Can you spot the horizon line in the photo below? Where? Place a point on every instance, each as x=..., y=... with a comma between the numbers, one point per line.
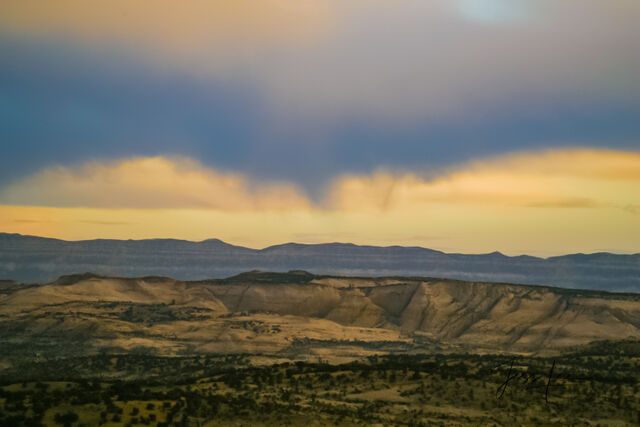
x=496, y=252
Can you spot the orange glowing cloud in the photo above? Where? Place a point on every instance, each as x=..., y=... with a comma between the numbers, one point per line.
x=538, y=203
x=151, y=183
x=561, y=179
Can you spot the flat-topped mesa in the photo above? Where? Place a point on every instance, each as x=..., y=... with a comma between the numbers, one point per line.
x=257, y=276
x=472, y=315
x=70, y=279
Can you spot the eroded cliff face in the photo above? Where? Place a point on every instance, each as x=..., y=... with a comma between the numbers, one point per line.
x=299, y=312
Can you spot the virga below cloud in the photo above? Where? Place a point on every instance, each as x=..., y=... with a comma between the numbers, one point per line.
x=516, y=203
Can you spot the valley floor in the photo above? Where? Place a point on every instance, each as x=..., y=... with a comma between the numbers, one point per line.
x=596, y=385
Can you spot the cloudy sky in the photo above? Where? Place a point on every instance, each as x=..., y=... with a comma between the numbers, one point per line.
x=460, y=125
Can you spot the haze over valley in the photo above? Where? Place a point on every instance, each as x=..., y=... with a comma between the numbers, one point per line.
x=35, y=259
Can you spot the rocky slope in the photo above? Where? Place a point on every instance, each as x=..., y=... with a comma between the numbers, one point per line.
x=35, y=259
x=299, y=314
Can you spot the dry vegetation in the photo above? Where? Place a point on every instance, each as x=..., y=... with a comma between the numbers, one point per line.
x=597, y=385
x=298, y=349
x=298, y=313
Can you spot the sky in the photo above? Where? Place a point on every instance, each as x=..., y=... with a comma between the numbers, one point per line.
x=461, y=125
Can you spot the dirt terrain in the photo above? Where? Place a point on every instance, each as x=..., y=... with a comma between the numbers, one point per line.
x=298, y=315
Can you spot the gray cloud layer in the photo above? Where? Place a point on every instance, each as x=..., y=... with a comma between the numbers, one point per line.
x=305, y=92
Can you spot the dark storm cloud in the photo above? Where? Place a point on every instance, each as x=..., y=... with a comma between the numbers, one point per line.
x=63, y=105
x=416, y=87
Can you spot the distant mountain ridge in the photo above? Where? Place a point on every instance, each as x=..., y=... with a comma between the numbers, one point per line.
x=38, y=259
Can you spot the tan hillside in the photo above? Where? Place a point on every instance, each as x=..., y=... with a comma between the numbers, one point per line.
x=302, y=315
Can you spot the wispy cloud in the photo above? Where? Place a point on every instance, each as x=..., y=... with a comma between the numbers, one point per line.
x=634, y=209
x=86, y=221
x=549, y=179
x=556, y=179
x=569, y=202
x=30, y=221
